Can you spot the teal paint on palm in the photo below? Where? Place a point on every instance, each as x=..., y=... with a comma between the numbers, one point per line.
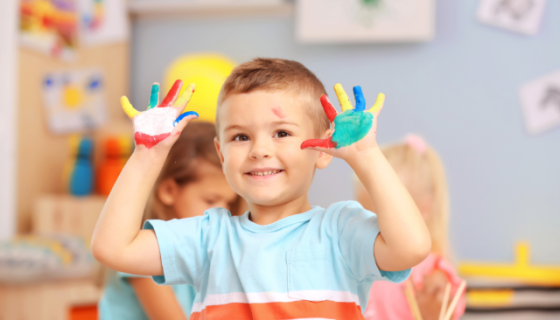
x=350, y=127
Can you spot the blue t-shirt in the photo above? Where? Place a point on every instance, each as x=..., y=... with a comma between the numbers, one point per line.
x=119, y=301
x=316, y=264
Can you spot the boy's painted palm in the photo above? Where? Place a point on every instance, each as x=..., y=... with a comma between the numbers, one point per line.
x=156, y=124
x=350, y=126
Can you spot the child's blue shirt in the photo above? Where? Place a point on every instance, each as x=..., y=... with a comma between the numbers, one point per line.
x=119, y=301
x=317, y=264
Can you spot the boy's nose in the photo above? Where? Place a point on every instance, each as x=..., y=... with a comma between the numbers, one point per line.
x=260, y=150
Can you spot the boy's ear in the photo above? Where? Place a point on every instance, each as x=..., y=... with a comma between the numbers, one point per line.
x=168, y=191
x=217, y=145
x=323, y=160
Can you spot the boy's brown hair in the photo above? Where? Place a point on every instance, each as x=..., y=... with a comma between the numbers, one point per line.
x=278, y=74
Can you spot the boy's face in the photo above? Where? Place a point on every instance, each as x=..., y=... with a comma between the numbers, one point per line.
x=260, y=134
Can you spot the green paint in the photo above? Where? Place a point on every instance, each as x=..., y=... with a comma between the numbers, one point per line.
x=154, y=96
x=350, y=127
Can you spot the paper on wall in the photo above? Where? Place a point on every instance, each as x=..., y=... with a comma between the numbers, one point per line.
x=523, y=16
x=103, y=21
x=541, y=103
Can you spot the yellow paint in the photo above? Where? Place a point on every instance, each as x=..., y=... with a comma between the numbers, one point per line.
x=208, y=71
x=72, y=97
x=342, y=97
x=490, y=298
x=128, y=108
x=185, y=97
x=519, y=270
x=378, y=104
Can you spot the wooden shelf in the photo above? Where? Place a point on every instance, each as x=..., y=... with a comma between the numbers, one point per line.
x=155, y=8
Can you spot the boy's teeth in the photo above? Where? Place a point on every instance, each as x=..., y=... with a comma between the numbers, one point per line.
x=264, y=173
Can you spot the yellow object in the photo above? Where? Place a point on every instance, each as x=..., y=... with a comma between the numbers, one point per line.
x=208, y=71
x=490, y=298
x=342, y=97
x=72, y=97
x=446, y=294
x=378, y=104
x=128, y=108
x=519, y=270
x=412, y=303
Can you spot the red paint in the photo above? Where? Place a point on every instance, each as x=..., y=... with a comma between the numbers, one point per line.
x=172, y=94
x=149, y=141
x=321, y=143
x=328, y=107
x=278, y=112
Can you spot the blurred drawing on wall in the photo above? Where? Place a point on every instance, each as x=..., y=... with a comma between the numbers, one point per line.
x=74, y=100
x=523, y=16
x=541, y=103
x=50, y=26
x=103, y=21
x=364, y=20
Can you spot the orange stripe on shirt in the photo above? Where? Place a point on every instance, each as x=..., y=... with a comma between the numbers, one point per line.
x=281, y=310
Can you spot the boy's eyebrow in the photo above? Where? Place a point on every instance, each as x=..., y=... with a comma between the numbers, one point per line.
x=275, y=123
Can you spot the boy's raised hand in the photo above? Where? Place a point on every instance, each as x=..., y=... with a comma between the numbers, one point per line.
x=161, y=124
x=354, y=128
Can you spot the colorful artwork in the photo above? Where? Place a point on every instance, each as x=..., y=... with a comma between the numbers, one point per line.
x=155, y=124
x=74, y=100
x=541, y=103
x=103, y=21
x=208, y=71
x=50, y=26
x=523, y=16
x=352, y=124
x=365, y=20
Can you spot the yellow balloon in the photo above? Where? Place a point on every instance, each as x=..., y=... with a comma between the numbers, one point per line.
x=208, y=72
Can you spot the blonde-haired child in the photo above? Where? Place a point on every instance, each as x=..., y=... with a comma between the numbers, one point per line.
x=421, y=171
x=191, y=181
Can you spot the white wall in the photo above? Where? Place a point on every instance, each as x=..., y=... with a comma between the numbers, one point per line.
x=8, y=120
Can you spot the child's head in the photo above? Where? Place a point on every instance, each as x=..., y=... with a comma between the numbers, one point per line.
x=266, y=109
x=191, y=180
x=421, y=171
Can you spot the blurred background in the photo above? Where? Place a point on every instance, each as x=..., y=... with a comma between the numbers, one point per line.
x=478, y=79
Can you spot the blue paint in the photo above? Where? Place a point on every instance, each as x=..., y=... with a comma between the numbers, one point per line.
x=350, y=127
x=49, y=81
x=183, y=115
x=360, y=101
x=94, y=84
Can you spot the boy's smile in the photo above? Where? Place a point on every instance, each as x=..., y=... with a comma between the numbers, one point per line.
x=260, y=134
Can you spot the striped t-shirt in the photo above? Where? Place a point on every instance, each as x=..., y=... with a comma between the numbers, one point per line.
x=314, y=265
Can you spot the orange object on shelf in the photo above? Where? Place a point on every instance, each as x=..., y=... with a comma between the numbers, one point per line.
x=116, y=154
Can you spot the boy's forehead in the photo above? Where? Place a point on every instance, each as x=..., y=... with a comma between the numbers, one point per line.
x=263, y=105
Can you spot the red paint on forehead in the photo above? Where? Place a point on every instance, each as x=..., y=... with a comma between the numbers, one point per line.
x=278, y=112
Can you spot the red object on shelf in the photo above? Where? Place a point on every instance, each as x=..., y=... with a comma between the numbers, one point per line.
x=83, y=313
x=115, y=157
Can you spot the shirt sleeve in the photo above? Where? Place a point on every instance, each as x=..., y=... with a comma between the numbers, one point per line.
x=357, y=232
x=183, y=248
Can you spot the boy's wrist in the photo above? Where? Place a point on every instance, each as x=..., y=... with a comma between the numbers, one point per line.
x=149, y=157
x=364, y=158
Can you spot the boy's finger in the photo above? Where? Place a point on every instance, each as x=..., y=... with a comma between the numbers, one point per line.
x=154, y=96
x=181, y=125
x=128, y=108
x=342, y=98
x=376, y=109
x=328, y=107
x=185, y=97
x=172, y=95
x=318, y=143
x=360, y=100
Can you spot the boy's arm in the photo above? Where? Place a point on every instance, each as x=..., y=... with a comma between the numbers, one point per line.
x=404, y=240
x=117, y=240
x=159, y=302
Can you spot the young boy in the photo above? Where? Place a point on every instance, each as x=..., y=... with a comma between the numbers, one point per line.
x=284, y=259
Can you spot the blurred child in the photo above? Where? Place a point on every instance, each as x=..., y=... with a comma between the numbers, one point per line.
x=191, y=181
x=421, y=171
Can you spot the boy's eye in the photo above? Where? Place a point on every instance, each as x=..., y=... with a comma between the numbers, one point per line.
x=240, y=137
x=281, y=134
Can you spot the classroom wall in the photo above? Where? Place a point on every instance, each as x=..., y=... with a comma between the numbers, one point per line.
x=460, y=91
